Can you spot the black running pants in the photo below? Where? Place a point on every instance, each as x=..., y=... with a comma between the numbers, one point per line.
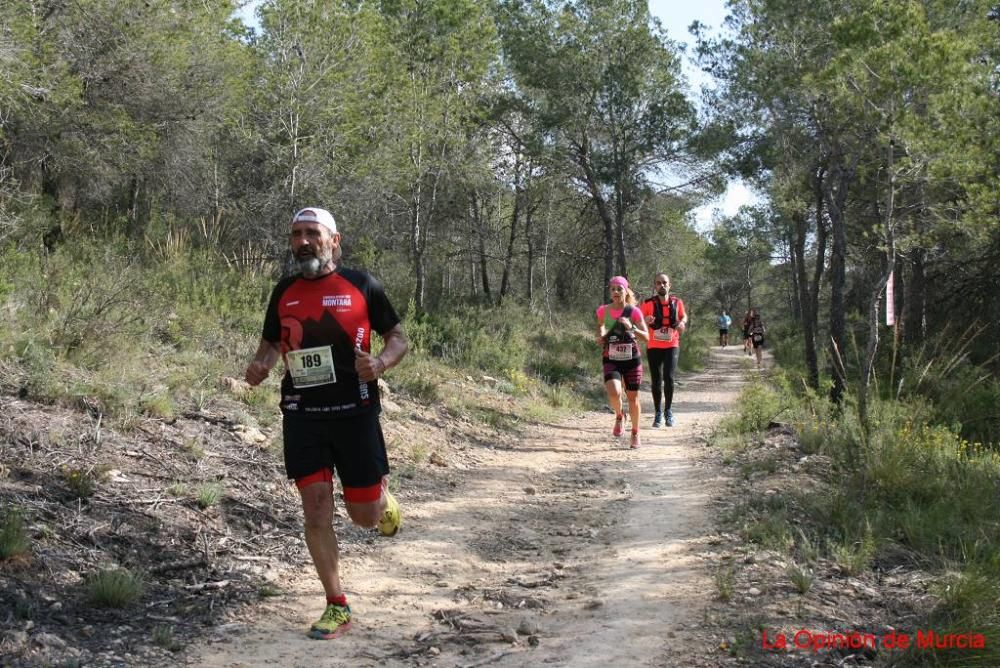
x=662, y=365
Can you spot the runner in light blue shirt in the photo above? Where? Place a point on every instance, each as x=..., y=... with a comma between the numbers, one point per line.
x=724, y=322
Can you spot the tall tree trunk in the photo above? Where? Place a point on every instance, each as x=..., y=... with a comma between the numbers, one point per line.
x=801, y=231
x=509, y=255
x=480, y=223
x=888, y=223
x=915, y=298
x=470, y=256
x=797, y=271
x=417, y=252
x=590, y=176
x=810, y=293
x=529, y=237
x=835, y=194
x=620, y=243
x=822, y=234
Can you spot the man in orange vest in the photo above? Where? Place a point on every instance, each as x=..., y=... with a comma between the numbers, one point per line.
x=666, y=318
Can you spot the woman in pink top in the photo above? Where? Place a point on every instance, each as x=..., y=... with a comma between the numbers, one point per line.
x=619, y=324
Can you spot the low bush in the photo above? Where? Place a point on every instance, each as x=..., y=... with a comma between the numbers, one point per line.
x=14, y=540
x=113, y=588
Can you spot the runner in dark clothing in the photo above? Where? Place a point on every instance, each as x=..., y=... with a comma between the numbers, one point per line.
x=666, y=318
x=320, y=323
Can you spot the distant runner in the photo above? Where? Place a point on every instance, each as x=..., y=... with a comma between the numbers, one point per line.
x=756, y=331
x=724, y=322
x=320, y=322
x=747, y=346
x=619, y=324
x=666, y=318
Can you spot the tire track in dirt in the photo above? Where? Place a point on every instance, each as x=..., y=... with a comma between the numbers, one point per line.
x=567, y=549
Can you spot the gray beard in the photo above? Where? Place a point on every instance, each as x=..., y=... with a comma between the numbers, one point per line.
x=310, y=266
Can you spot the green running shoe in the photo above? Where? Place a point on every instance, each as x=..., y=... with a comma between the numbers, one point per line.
x=392, y=519
x=335, y=620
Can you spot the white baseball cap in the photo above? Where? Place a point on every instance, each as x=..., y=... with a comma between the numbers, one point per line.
x=313, y=215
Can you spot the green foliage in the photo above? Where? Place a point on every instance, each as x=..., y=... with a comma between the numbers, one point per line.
x=960, y=393
x=557, y=359
x=82, y=483
x=968, y=602
x=269, y=591
x=208, y=495
x=159, y=406
x=801, y=577
x=855, y=557
x=164, y=636
x=695, y=348
x=14, y=539
x=759, y=405
x=98, y=328
x=178, y=489
x=113, y=588
x=725, y=582
x=911, y=482
x=823, y=427
x=468, y=337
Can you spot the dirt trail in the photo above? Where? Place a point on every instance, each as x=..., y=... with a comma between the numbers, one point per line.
x=568, y=549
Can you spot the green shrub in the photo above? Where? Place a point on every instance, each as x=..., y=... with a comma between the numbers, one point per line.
x=570, y=358
x=725, y=582
x=82, y=482
x=759, y=404
x=696, y=346
x=961, y=394
x=158, y=406
x=177, y=489
x=13, y=538
x=854, y=557
x=163, y=636
x=968, y=602
x=801, y=577
x=113, y=588
x=208, y=495
x=487, y=340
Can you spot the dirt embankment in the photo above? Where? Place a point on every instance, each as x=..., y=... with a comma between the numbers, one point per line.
x=558, y=545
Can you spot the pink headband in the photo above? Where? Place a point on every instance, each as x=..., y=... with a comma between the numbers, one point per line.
x=619, y=280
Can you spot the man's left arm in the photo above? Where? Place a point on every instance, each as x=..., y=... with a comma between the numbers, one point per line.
x=370, y=367
x=395, y=347
x=682, y=312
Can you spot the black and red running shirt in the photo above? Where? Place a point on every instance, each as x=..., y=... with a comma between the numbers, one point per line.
x=317, y=323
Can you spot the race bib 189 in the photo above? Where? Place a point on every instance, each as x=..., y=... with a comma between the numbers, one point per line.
x=311, y=366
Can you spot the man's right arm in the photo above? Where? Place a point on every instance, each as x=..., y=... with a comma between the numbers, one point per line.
x=262, y=363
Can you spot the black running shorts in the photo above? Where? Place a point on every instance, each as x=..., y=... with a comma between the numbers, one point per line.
x=352, y=446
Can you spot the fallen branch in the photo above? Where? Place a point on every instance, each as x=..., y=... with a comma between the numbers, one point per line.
x=490, y=659
x=202, y=586
x=179, y=565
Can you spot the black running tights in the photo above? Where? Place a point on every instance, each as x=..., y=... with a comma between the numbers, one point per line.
x=662, y=365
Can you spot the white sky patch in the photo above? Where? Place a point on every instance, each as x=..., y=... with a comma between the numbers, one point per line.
x=676, y=17
x=737, y=194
